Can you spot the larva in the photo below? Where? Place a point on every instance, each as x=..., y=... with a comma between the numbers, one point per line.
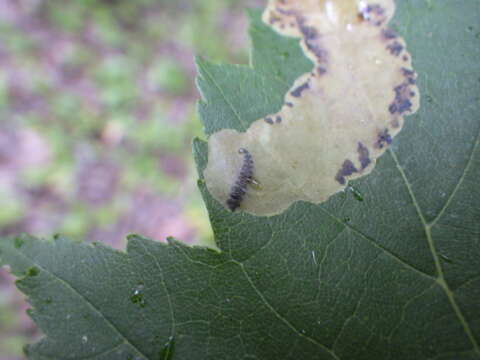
x=335, y=122
x=239, y=189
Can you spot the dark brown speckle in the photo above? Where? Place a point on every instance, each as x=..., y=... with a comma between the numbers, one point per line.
x=298, y=91
x=311, y=37
x=347, y=169
x=383, y=139
x=374, y=14
x=395, y=48
x=408, y=73
x=321, y=70
x=403, y=93
x=363, y=155
x=401, y=102
x=388, y=34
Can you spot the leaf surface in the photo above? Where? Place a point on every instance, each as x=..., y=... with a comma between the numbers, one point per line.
x=390, y=270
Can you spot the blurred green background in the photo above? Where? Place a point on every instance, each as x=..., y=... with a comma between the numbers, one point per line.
x=97, y=115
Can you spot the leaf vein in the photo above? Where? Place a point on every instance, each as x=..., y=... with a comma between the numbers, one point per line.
x=105, y=352
x=377, y=245
x=441, y=278
x=459, y=183
x=279, y=316
x=162, y=279
x=468, y=281
x=404, y=308
x=89, y=304
x=355, y=309
x=220, y=90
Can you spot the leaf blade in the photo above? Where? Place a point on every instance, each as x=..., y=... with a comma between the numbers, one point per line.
x=338, y=280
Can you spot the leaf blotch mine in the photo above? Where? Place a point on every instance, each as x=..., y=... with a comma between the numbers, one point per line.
x=335, y=120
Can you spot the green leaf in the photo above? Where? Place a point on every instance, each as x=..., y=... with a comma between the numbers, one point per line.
x=237, y=95
x=395, y=276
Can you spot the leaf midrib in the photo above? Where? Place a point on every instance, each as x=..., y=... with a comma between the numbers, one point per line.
x=440, y=279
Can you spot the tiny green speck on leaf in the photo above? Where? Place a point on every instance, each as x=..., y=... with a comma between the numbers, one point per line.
x=33, y=271
x=168, y=349
x=138, y=296
x=356, y=193
x=445, y=258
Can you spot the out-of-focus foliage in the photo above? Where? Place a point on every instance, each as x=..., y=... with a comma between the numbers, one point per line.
x=98, y=104
x=97, y=113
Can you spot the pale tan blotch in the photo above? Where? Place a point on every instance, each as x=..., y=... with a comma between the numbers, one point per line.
x=336, y=121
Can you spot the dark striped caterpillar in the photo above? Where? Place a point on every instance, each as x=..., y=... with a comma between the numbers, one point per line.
x=239, y=189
